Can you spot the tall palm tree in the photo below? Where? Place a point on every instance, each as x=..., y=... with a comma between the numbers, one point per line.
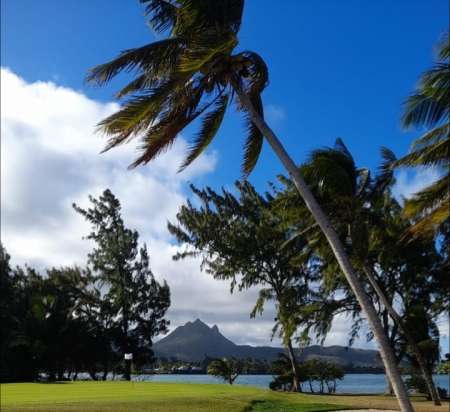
x=193, y=74
x=429, y=107
x=361, y=209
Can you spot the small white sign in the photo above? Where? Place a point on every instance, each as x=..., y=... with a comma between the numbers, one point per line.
x=128, y=356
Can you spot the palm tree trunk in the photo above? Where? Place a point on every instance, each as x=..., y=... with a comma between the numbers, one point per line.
x=295, y=378
x=408, y=335
x=337, y=247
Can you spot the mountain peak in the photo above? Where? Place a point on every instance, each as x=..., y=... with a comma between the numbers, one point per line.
x=195, y=340
x=198, y=322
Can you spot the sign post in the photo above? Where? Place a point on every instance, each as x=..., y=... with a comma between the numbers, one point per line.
x=128, y=357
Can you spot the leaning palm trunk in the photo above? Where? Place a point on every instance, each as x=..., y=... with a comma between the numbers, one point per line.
x=409, y=337
x=296, y=387
x=386, y=352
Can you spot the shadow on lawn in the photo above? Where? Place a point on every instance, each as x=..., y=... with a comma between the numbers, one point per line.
x=276, y=406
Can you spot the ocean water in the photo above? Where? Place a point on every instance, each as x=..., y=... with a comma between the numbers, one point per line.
x=352, y=383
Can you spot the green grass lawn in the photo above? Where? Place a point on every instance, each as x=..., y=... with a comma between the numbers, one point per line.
x=175, y=397
x=148, y=397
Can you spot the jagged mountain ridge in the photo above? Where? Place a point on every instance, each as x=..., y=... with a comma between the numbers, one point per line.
x=194, y=341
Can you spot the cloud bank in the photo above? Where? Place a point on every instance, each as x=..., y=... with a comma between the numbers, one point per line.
x=50, y=159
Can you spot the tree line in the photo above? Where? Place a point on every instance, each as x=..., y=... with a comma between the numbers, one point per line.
x=71, y=319
x=331, y=237
x=196, y=71
x=267, y=241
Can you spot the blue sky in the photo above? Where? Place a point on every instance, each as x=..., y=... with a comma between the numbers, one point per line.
x=337, y=69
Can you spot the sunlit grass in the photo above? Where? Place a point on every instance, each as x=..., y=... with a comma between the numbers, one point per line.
x=177, y=397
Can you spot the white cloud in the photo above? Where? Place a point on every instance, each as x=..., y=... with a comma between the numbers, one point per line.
x=50, y=159
x=409, y=182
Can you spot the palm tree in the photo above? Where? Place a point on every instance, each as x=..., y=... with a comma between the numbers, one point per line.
x=359, y=206
x=193, y=74
x=429, y=107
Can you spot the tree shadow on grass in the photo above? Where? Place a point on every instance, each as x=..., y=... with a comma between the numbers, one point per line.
x=275, y=406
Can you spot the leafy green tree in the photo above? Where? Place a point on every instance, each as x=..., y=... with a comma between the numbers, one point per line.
x=61, y=292
x=16, y=363
x=283, y=371
x=22, y=345
x=6, y=311
x=74, y=345
x=428, y=108
x=227, y=369
x=194, y=73
x=444, y=365
x=240, y=239
x=135, y=302
x=325, y=373
x=50, y=336
x=370, y=222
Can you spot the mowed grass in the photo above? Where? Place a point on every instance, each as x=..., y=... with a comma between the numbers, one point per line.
x=140, y=397
x=178, y=397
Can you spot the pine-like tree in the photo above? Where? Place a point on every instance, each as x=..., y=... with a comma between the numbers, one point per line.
x=136, y=302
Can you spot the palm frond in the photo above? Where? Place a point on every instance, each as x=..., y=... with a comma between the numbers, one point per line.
x=137, y=114
x=140, y=83
x=429, y=105
x=331, y=171
x=163, y=14
x=340, y=146
x=156, y=59
x=257, y=73
x=163, y=134
x=429, y=224
x=363, y=180
x=429, y=198
x=205, y=14
x=254, y=141
x=385, y=176
x=423, y=109
x=444, y=47
x=210, y=126
x=429, y=209
x=432, y=137
x=203, y=48
x=436, y=154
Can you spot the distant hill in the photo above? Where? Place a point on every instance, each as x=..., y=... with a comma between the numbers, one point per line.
x=194, y=341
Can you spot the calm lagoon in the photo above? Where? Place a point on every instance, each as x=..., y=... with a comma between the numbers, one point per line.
x=352, y=383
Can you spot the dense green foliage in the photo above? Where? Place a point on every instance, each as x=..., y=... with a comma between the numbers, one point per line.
x=444, y=365
x=318, y=373
x=73, y=320
x=227, y=369
x=188, y=75
x=134, y=302
x=429, y=108
x=411, y=275
x=192, y=73
x=242, y=240
x=48, y=328
x=271, y=242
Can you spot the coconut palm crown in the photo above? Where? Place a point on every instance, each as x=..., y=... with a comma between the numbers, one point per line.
x=188, y=75
x=429, y=107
